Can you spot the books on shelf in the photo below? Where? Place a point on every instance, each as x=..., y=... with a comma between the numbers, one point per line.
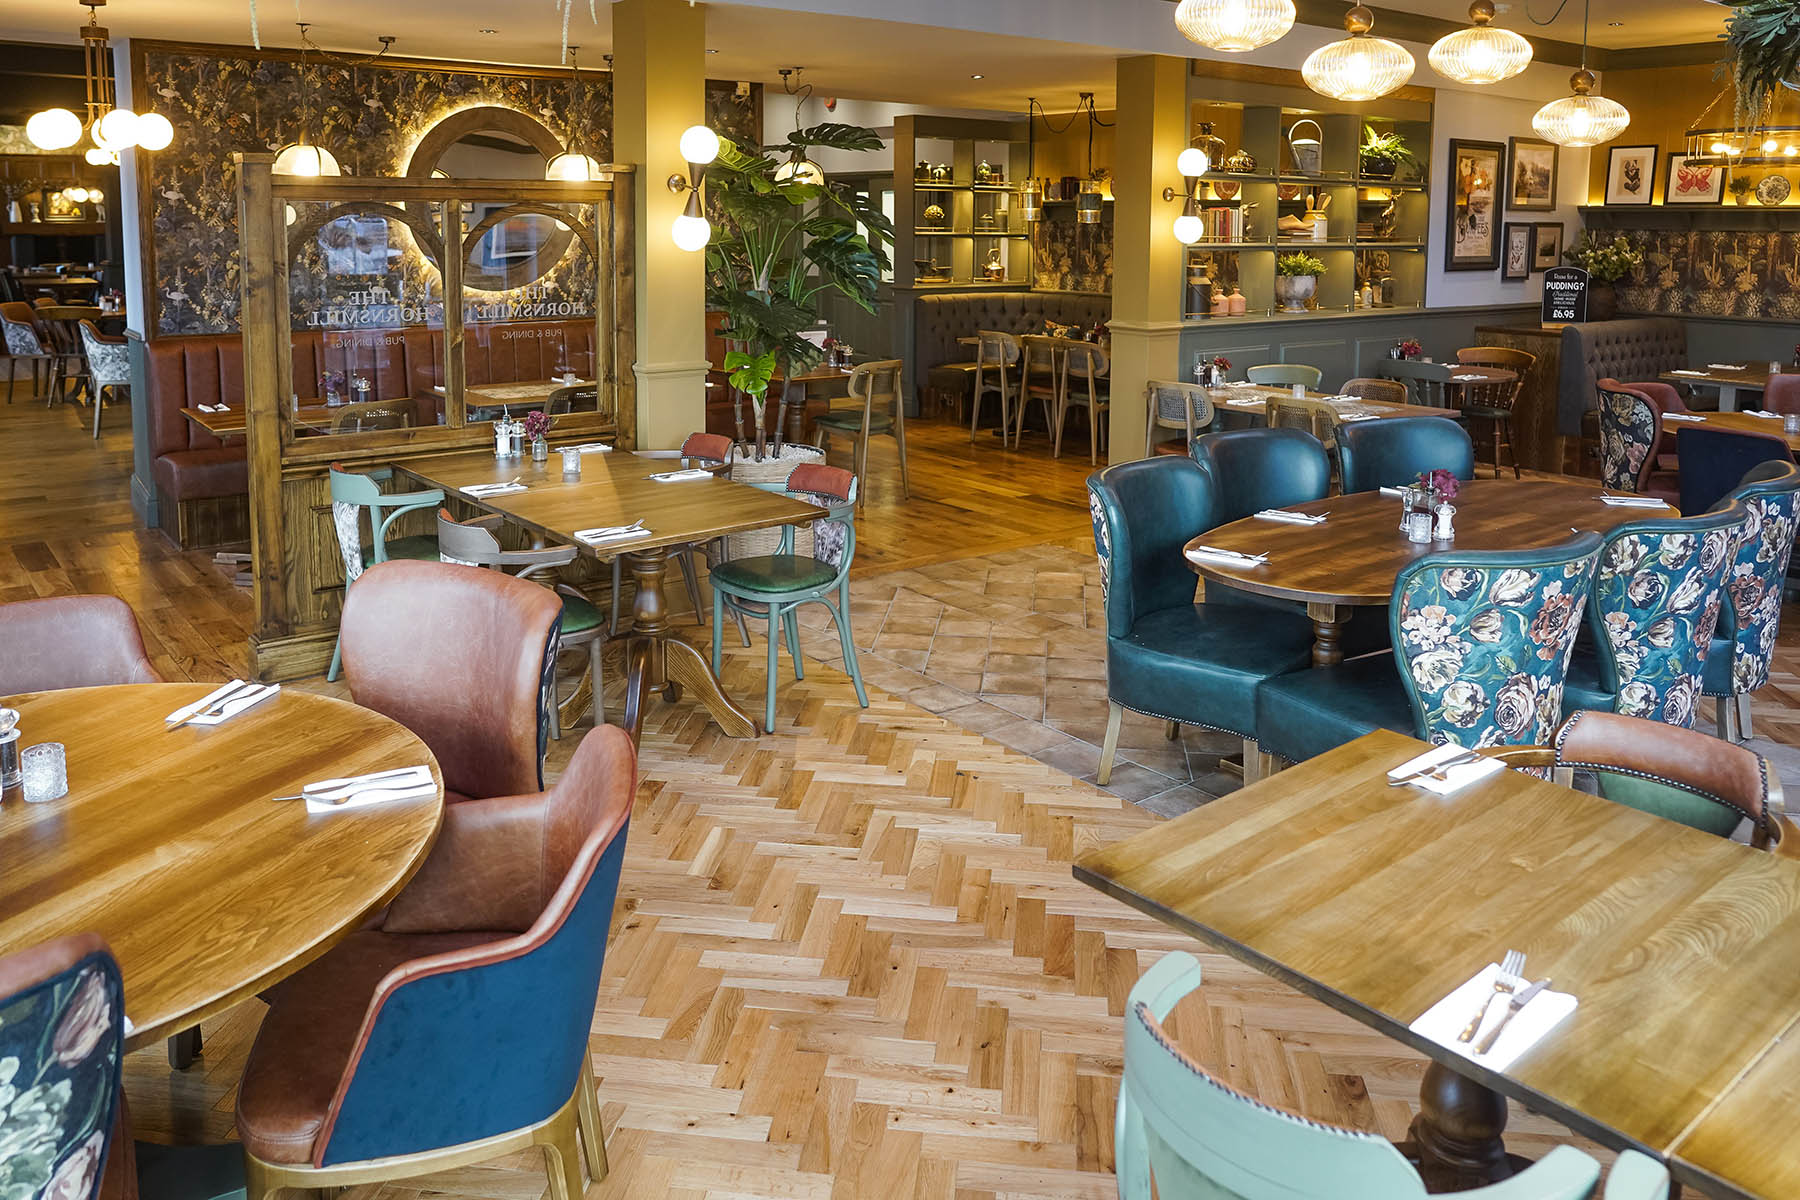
x=1222, y=224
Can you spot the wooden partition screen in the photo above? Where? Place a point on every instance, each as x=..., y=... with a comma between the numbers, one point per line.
x=387, y=319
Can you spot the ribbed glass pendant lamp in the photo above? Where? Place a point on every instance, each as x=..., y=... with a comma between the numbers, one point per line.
x=1581, y=119
x=1359, y=67
x=1234, y=25
x=1481, y=53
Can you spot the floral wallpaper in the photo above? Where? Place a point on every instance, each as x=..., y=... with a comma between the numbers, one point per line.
x=1724, y=273
x=1067, y=256
x=370, y=116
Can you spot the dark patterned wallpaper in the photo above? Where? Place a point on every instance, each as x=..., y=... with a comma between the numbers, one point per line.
x=1067, y=256
x=1720, y=273
x=369, y=116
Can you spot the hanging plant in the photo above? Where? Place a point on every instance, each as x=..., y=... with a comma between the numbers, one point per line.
x=1763, y=37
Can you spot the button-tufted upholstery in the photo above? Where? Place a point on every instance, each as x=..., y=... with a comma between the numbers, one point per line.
x=1639, y=348
x=939, y=318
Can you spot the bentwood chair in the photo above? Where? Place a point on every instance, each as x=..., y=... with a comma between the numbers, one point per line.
x=352, y=494
x=1199, y=1138
x=1426, y=383
x=1184, y=406
x=1317, y=417
x=1083, y=384
x=1493, y=401
x=455, y=1028
x=712, y=450
x=1284, y=375
x=465, y=660
x=1481, y=647
x=108, y=366
x=1744, y=644
x=1714, y=461
x=1655, y=609
x=1387, y=391
x=70, y=642
x=1166, y=656
x=776, y=585
x=362, y=416
x=473, y=543
x=1394, y=451
x=1631, y=442
x=26, y=341
x=996, y=373
x=876, y=410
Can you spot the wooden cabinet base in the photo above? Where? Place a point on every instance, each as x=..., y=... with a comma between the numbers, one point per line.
x=210, y=523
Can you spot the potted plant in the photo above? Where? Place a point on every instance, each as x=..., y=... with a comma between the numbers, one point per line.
x=1740, y=188
x=1406, y=349
x=1606, y=262
x=1383, y=153
x=1762, y=47
x=782, y=243
x=1296, y=280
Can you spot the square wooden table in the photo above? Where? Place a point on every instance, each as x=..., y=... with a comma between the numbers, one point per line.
x=1681, y=947
x=616, y=489
x=1222, y=398
x=1734, y=422
x=1753, y=377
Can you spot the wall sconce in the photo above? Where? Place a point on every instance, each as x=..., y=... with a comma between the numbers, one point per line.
x=1193, y=162
x=699, y=147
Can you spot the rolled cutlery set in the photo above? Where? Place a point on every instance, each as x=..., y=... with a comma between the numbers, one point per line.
x=682, y=476
x=611, y=533
x=1291, y=518
x=494, y=489
x=1618, y=501
x=1229, y=558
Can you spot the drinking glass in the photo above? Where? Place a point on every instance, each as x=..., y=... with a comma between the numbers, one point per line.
x=46, y=772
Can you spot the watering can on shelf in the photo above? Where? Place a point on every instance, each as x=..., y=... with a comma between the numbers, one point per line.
x=1307, y=152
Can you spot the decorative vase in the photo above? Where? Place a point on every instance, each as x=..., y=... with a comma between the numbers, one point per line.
x=1221, y=304
x=1293, y=291
x=1239, y=305
x=1603, y=301
x=540, y=450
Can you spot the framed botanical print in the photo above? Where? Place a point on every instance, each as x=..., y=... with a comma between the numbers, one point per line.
x=1546, y=245
x=1472, y=236
x=1693, y=183
x=1530, y=175
x=1630, y=174
x=1517, y=246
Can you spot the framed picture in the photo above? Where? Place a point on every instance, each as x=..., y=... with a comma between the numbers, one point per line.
x=1630, y=174
x=1530, y=175
x=1473, y=237
x=1695, y=184
x=1517, y=246
x=1546, y=245
x=58, y=207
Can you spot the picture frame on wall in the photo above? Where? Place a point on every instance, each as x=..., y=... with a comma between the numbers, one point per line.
x=1546, y=245
x=1699, y=183
x=1472, y=235
x=1531, y=174
x=1518, y=244
x=1630, y=175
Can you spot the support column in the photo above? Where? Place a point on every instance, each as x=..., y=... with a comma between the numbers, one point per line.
x=659, y=89
x=1146, y=320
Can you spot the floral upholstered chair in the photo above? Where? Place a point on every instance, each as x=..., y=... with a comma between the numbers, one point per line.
x=1630, y=443
x=1656, y=605
x=108, y=365
x=1737, y=664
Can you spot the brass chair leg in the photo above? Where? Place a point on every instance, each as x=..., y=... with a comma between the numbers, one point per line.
x=562, y=1155
x=593, y=1133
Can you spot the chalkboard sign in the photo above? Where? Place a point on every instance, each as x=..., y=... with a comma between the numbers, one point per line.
x=1565, y=295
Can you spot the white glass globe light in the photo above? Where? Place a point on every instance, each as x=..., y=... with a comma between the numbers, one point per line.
x=119, y=129
x=1193, y=162
x=304, y=158
x=569, y=167
x=154, y=131
x=1234, y=25
x=53, y=129
x=1359, y=67
x=97, y=157
x=690, y=232
x=1480, y=54
x=699, y=145
x=1188, y=228
x=1581, y=119
x=800, y=170
x=76, y=195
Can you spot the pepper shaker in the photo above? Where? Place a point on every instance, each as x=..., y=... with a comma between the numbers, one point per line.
x=12, y=775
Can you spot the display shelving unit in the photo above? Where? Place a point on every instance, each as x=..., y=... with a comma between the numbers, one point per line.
x=981, y=222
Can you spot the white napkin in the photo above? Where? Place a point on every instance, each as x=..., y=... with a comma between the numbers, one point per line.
x=1762, y=412
x=1241, y=383
x=1467, y=378
x=1395, y=492
x=492, y=489
x=1680, y=371
x=1290, y=518
x=610, y=533
x=681, y=476
x=1725, y=366
x=1456, y=777
x=593, y=448
x=1634, y=502
x=1673, y=416
x=1349, y=418
x=215, y=408
x=377, y=787
x=1224, y=558
x=249, y=699
x=1443, y=1021
x=1247, y=401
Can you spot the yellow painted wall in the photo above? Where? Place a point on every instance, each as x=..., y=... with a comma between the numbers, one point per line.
x=1066, y=153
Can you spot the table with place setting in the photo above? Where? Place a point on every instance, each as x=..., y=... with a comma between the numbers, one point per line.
x=1253, y=399
x=1754, y=420
x=1728, y=379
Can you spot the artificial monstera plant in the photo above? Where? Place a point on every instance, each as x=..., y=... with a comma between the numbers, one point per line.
x=782, y=243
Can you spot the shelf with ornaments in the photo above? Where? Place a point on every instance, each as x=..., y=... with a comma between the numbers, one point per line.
x=959, y=203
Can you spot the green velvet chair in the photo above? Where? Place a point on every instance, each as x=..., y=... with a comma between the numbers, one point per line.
x=351, y=494
x=1481, y=646
x=1393, y=451
x=776, y=585
x=1743, y=645
x=1656, y=606
x=1285, y=375
x=1202, y=1139
x=1166, y=656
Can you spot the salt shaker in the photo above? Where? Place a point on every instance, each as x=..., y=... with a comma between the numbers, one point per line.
x=11, y=775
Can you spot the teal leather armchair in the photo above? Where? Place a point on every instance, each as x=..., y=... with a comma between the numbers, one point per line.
x=1393, y=451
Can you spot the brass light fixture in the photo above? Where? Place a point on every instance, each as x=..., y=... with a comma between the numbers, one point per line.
x=110, y=127
x=699, y=147
x=1772, y=139
x=1580, y=118
x=1359, y=67
x=1482, y=53
x=798, y=167
x=1234, y=25
x=300, y=156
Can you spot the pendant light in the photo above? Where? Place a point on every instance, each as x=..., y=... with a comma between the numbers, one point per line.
x=573, y=166
x=110, y=127
x=1482, y=53
x=1581, y=119
x=1359, y=67
x=798, y=168
x=300, y=156
x=1234, y=25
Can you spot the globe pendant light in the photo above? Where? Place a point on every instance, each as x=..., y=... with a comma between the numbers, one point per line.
x=1481, y=53
x=572, y=166
x=1234, y=25
x=1581, y=119
x=53, y=129
x=1360, y=67
x=112, y=128
x=301, y=157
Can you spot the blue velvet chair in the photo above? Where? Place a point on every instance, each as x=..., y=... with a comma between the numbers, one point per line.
x=1394, y=451
x=1738, y=662
x=1481, y=644
x=1166, y=656
x=455, y=1029
x=1656, y=606
x=1714, y=462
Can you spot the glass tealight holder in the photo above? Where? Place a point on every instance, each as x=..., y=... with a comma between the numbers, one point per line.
x=571, y=463
x=46, y=772
x=1299, y=391
x=1790, y=422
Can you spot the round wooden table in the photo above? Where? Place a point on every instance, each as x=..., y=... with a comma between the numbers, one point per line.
x=1352, y=558
x=170, y=846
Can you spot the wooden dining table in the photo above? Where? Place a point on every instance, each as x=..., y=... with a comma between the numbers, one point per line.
x=1727, y=379
x=171, y=846
x=1378, y=901
x=1253, y=400
x=1350, y=559
x=616, y=489
x=1735, y=422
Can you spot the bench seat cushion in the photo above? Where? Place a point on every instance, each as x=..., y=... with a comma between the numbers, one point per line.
x=203, y=474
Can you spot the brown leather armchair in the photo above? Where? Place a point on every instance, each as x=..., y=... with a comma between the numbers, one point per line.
x=70, y=642
x=466, y=660
x=404, y=1050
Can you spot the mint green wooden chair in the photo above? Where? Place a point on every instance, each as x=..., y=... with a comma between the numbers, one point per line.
x=1285, y=375
x=1204, y=1140
x=351, y=493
